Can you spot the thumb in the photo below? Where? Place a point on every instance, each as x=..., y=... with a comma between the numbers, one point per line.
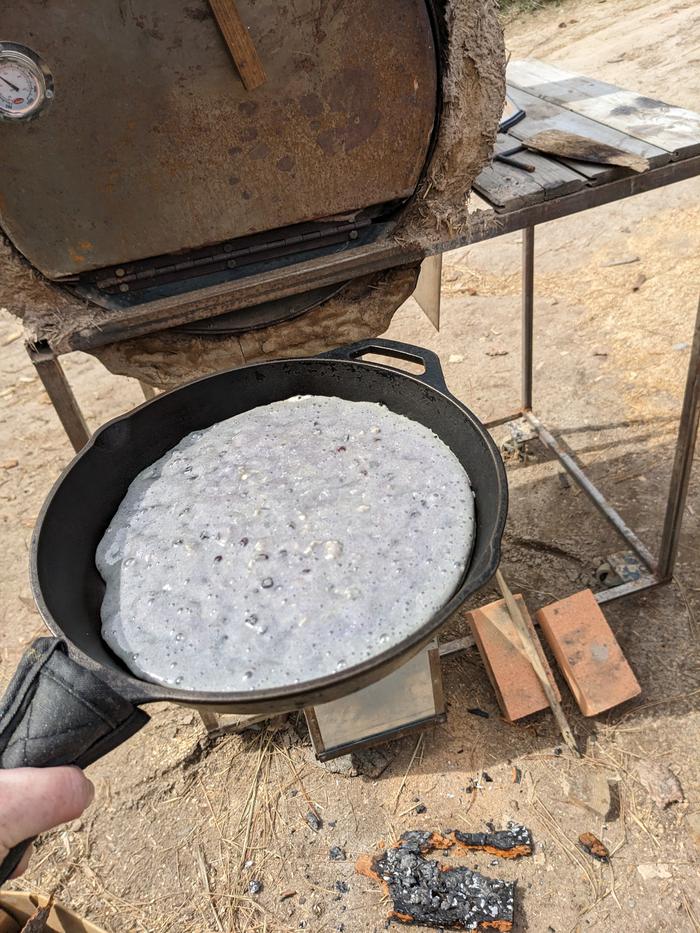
x=33, y=800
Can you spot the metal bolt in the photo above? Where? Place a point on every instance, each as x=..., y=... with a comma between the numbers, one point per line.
x=120, y=272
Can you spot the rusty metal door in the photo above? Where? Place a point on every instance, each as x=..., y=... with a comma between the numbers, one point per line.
x=151, y=144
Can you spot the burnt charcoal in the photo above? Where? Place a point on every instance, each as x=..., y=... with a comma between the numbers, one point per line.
x=421, y=808
x=424, y=892
x=342, y=887
x=422, y=841
x=513, y=842
x=314, y=820
x=255, y=886
x=336, y=854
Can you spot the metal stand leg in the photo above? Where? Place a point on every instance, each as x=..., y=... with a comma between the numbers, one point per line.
x=528, y=302
x=64, y=402
x=683, y=462
x=211, y=720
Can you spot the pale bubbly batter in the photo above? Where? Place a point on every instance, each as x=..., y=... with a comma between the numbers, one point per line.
x=284, y=544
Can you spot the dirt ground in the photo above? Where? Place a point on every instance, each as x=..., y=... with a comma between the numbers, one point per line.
x=182, y=825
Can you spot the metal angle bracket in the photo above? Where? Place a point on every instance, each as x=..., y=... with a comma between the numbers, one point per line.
x=429, y=287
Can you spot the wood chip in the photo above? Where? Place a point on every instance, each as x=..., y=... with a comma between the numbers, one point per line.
x=38, y=920
x=9, y=464
x=591, y=844
x=11, y=338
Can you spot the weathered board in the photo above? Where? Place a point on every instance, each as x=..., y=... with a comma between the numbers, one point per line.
x=671, y=128
x=508, y=187
x=542, y=115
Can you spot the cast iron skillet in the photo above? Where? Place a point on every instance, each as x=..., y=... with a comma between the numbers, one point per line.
x=71, y=699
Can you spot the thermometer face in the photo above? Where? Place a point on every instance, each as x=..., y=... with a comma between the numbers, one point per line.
x=25, y=84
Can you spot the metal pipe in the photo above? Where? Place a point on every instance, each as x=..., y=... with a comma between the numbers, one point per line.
x=593, y=493
x=683, y=461
x=528, y=303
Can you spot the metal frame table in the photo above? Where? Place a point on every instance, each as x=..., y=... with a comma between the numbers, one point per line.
x=513, y=199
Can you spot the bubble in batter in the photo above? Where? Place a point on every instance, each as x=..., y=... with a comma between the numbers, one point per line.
x=284, y=544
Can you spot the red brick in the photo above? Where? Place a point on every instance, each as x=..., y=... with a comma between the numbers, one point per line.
x=516, y=684
x=588, y=653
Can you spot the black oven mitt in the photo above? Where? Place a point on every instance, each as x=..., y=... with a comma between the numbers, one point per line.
x=56, y=712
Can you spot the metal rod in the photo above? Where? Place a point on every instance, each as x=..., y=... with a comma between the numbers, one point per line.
x=528, y=305
x=683, y=461
x=627, y=589
x=593, y=493
x=457, y=644
x=64, y=402
x=211, y=721
x=506, y=419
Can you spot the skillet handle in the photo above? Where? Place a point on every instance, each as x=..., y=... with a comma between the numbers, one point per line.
x=433, y=375
x=56, y=712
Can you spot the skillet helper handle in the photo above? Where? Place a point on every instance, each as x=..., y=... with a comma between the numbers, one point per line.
x=56, y=712
x=433, y=375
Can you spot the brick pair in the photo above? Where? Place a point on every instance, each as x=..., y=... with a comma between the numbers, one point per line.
x=582, y=642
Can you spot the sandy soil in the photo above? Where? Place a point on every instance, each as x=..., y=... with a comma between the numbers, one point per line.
x=181, y=826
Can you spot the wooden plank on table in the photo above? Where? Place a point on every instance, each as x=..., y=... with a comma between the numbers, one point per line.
x=671, y=128
x=508, y=187
x=554, y=178
x=542, y=115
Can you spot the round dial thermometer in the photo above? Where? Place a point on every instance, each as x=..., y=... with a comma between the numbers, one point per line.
x=26, y=85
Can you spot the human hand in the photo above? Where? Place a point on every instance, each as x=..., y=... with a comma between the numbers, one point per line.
x=33, y=800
